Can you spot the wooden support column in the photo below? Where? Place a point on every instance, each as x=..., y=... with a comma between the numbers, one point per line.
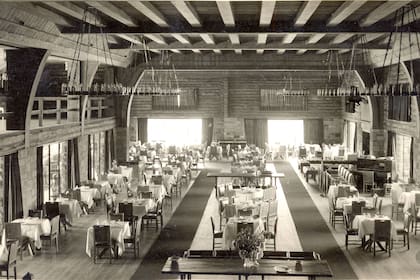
x=87, y=73
x=128, y=77
x=377, y=142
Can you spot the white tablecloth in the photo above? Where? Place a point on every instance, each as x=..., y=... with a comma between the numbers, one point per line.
x=345, y=203
x=141, y=206
x=88, y=194
x=232, y=209
x=366, y=225
x=407, y=198
x=115, y=179
x=245, y=194
x=119, y=231
x=32, y=228
x=70, y=208
x=158, y=191
x=231, y=229
x=333, y=191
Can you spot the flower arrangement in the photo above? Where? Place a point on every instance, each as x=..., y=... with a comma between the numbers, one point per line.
x=249, y=246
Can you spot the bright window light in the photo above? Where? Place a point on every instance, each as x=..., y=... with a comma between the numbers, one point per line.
x=285, y=132
x=177, y=132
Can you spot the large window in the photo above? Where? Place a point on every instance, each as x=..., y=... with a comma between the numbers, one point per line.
x=175, y=131
x=97, y=155
x=285, y=132
x=55, y=169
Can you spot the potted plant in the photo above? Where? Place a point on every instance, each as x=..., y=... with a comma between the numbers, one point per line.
x=250, y=247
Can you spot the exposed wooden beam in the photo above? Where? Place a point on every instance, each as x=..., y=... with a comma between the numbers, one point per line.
x=344, y=11
x=301, y=51
x=289, y=38
x=266, y=15
x=249, y=27
x=181, y=38
x=281, y=51
x=341, y=38
x=207, y=38
x=315, y=38
x=382, y=11
x=267, y=10
x=113, y=12
x=149, y=11
x=226, y=45
x=306, y=11
x=156, y=38
x=225, y=10
x=132, y=39
x=188, y=12
x=196, y=51
x=234, y=39
x=38, y=11
x=75, y=12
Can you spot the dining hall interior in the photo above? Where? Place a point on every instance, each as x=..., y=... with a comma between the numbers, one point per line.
x=209, y=139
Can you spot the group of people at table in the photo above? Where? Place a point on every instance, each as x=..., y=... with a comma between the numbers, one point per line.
x=363, y=216
x=245, y=207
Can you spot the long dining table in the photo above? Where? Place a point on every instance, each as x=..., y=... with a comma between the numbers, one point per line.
x=186, y=267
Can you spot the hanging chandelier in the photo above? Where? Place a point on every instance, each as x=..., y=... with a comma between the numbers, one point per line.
x=161, y=79
x=392, y=84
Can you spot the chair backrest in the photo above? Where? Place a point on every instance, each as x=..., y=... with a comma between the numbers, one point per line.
x=356, y=207
x=126, y=209
x=380, y=206
x=304, y=255
x=264, y=207
x=13, y=249
x=417, y=199
x=157, y=179
x=281, y=255
x=13, y=231
x=272, y=208
x=341, y=192
x=269, y=194
x=212, y=224
x=348, y=220
x=407, y=221
x=229, y=211
x=375, y=200
x=55, y=223
x=52, y=209
x=245, y=227
x=382, y=229
x=116, y=216
x=77, y=195
x=199, y=253
x=245, y=212
x=35, y=213
x=102, y=234
x=147, y=194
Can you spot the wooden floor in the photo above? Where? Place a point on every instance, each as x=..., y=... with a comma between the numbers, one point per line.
x=73, y=263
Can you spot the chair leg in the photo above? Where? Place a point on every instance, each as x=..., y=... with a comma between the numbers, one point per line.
x=408, y=242
x=14, y=270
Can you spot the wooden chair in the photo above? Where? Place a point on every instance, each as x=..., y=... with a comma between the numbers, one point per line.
x=134, y=240
x=53, y=233
x=11, y=260
x=270, y=237
x=356, y=207
x=14, y=233
x=216, y=234
x=350, y=231
x=154, y=214
x=415, y=218
x=304, y=255
x=36, y=213
x=397, y=208
x=336, y=215
x=382, y=233
x=404, y=231
x=102, y=241
x=52, y=209
x=147, y=194
x=116, y=216
x=127, y=210
x=368, y=180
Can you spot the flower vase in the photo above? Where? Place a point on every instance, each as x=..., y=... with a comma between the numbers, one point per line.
x=250, y=259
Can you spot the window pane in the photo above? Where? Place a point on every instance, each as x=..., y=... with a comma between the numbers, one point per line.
x=175, y=131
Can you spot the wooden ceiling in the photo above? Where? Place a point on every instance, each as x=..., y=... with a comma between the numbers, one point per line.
x=221, y=27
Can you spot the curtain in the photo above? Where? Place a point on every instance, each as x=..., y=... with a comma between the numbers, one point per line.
x=399, y=108
x=345, y=132
x=6, y=188
x=351, y=136
x=313, y=131
x=89, y=157
x=142, y=130
x=112, y=145
x=13, y=188
x=107, y=151
x=256, y=132
x=39, y=178
x=391, y=144
x=76, y=161
x=70, y=164
x=207, y=131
